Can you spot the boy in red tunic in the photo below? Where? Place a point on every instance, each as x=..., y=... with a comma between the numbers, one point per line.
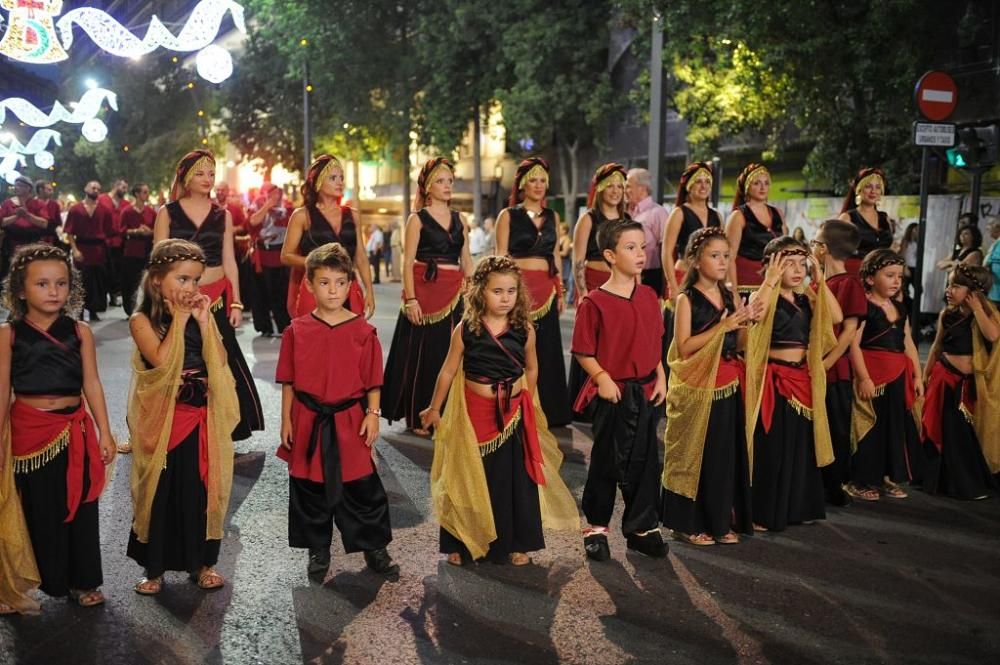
x=330, y=366
x=617, y=341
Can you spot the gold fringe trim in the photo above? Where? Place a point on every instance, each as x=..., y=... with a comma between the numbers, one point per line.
x=494, y=444
x=726, y=391
x=666, y=304
x=800, y=408
x=40, y=458
x=431, y=319
x=879, y=390
x=218, y=304
x=536, y=314
x=747, y=290
x=969, y=417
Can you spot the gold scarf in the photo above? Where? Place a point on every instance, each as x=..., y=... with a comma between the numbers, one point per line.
x=986, y=365
x=18, y=571
x=458, y=481
x=152, y=398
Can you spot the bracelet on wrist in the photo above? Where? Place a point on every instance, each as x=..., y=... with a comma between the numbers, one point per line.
x=369, y=411
x=236, y=305
x=594, y=378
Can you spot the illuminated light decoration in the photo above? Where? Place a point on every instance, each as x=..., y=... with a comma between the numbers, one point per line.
x=88, y=107
x=37, y=144
x=45, y=160
x=31, y=33
x=94, y=130
x=214, y=64
x=9, y=165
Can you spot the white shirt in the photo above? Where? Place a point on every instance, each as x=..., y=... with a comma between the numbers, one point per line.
x=477, y=241
x=374, y=241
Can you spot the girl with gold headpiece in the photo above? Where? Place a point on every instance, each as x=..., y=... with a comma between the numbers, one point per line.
x=436, y=261
x=706, y=473
x=786, y=423
x=52, y=456
x=495, y=477
x=527, y=231
x=888, y=387
x=190, y=199
x=752, y=224
x=861, y=209
x=691, y=212
x=961, y=417
x=182, y=409
x=321, y=220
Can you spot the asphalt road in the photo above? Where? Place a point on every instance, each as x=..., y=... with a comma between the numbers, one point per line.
x=897, y=581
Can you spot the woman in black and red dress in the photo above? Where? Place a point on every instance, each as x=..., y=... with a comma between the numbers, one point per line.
x=190, y=199
x=321, y=220
x=752, y=224
x=861, y=209
x=436, y=261
x=527, y=231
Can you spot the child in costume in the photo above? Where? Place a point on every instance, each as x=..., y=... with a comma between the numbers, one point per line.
x=330, y=368
x=495, y=476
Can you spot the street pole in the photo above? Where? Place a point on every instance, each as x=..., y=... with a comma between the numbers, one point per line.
x=716, y=181
x=918, y=278
x=977, y=188
x=656, y=103
x=477, y=169
x=306, y=124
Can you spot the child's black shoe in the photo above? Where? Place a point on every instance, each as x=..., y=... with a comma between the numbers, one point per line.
x=380, y=562
x=319, y=561
x=650, y=543
x=596, y=547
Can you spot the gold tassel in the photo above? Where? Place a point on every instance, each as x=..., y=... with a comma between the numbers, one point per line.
x=494, y=444
x=219, y=303
x=747, y=290
x=726, y=391
x=40, y=458
x=431, y=319
x=880, y=390
x=969, y=418
x=801, y=409
x=536, y=314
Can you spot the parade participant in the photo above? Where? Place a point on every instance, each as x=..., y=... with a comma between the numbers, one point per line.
x=786, y=420
x=495, y=476
x=706, y=472
x=835, y=242
x=269, y=217
x=861, y=209
x=58, y=451
x=189, y=200
x=23, y=218
x=436, y=261
x=752, y=224
x=242, y=241
x=970, y=242
x=137, y=230
x=321, y=220
x=617, y=340
x=330, y=368
x=653, y=217
x=527, y=231
x=960, y=417
x=182, y=409
x=49, y=208
x=691, y=212
x=88, y=225
x=888, y=384
x=118, y=204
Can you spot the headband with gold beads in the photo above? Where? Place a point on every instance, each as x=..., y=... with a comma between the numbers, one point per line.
x=616, y=178
x=697, y=174
x=332, y=164
x=432, y=176
x=871, y=177
x=536, y=171
x=204, y=163
x=753, y=175
x=187, y=256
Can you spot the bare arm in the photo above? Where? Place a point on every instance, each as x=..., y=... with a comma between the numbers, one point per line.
x=734, y=234
x=5, y=355
x=674, y=223
x=364, y=267
x=290, y=248
x=531, y=362
x=501, y=232
x=232, y=271
x=153, y=349
x=935, y=351
x=161, y=226
x=911, y=352
x=465, y=260
x=94, y=393
x=580, y=234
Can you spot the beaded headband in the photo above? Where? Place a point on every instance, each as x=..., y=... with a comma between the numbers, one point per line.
x=492, y=264
x=702, y=236
x=888, y=259
x=697, y=174
x=174, y=258
x=968, y=273
x=536, y=171
x=754, y=173
x=203, y=163
x=40, y=254
x=332, y=164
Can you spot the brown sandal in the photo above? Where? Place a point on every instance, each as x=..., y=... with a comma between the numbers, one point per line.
x=125, y=448
x=729, y=539
x=149, y=587
x=760, y=528
x=863, y=493
x=519, y=559
x=209, y=579
x=91, y=598
x=701, y=539
x=6, y=609
x=894, y=491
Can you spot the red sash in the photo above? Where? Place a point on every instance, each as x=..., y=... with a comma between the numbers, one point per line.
x=884, y=367
x=186, y=418
x=220, y=288
x=540, y=287
x=32, y=430
x=792, y=383
x=482, y=413
x=748, y=272
x=943, y=377
x=438, y=295
x=730, y=369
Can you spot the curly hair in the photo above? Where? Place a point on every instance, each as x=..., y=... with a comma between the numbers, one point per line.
x=165, y=254
x=697, y=243
x=475, y=294
x=975, y=278
x=874, y=261
x=333, y=256
x=13, y=284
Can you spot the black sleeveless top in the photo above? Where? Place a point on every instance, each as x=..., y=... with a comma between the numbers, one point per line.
x=957, y=333
x=755, y=235
x=193, y=390
x=320, y=232
x=528, y=240
x=879, y=334
x=485, y=362
x=436, y=244
x=597, y=219
x=871, y=239
x=46, y=363
x=208, y=236
x=691, y=223
x=791, y=323
x=704, y=315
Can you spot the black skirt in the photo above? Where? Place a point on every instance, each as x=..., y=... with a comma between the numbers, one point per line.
x=251, y=414
x=787, y=485
x=514, y=502
x=839, y=405
x=552, y=390
x=177, y=521
x=723, y=501
x=68, y=555
x=959, y=469
x=415, y=358
x=891, y=448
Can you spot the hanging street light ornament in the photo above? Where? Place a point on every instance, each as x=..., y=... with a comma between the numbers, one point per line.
x=31, y=35
x=214, y=64
x=8, y=167
x=88, y=107
x=37, y=145
x=94, y=130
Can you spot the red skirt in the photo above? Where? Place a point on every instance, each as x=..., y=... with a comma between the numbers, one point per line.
x=748, y=273
x=483, y=414
x=542, y=290
x=440, y=294
x=730, y=369
x=944, y=377
x=884, y=367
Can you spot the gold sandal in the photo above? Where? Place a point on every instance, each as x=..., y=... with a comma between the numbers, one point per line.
x=210, y=579
x=91, y=598
x=519, y=559
x=149, y=587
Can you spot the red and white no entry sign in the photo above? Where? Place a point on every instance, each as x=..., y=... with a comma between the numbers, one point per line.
x=937, y=95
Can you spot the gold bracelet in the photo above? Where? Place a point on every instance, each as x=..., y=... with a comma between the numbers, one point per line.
x=594, y=378
x=236, y=305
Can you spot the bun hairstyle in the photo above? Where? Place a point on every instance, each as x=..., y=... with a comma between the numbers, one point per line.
x=974, y=278
x=697, y=243
x=332, y=256
x=13, y=284
x=877, y=260
x=841, y=238
x=475, y=294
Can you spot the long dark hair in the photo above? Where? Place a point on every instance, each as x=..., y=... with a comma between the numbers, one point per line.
x=310, y=188
x=741, y=182
x=697, y=243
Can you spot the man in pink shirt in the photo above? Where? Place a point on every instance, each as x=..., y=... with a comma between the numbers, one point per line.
x=653, y=218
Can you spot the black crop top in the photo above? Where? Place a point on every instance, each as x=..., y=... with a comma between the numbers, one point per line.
x=208, y=236
x=791, y=322
x=46, y=362
x=755, y=235
x=436, y=244
x=879, y=334
x=320, y=232
x=704, y=315
x=597, y=219
x=526, y=239
x=871, y=239
x=957, y=333
x=690, y=223
x=485, y=360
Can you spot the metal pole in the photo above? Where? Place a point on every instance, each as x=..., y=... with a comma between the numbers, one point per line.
x=477, y=169
x=716, y=181
x=918, y=278
x=977, y=188
x=306, y=123
x=656, y=103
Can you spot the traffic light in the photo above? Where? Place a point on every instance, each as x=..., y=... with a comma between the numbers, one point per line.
x=977, y=147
